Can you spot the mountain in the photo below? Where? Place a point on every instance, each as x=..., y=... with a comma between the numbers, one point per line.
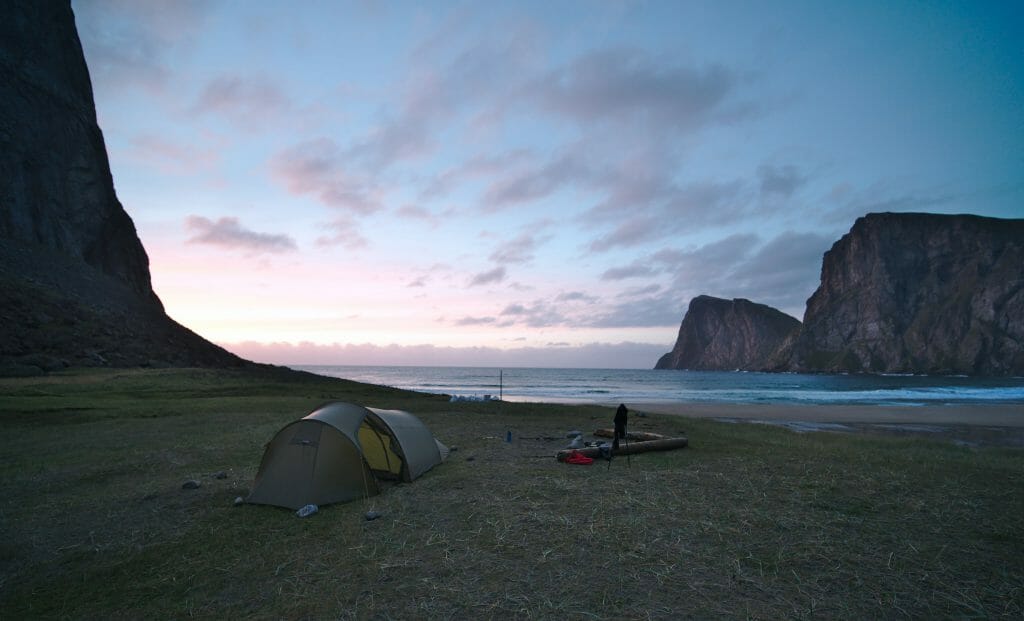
x=719, y=334
x=75, y=277
x=918, y=293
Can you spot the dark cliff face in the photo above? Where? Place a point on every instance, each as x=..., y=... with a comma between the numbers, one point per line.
x=719, y=334
x=919, y=293
x=74, y=274
x=57, y=189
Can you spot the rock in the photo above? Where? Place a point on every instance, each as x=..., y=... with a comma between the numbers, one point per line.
x=918, y=293
x=239, y=501
x=307, y=511
x=191, y=484
x=372, y=515
x=74, y=275
x=220, y=475
x=719, y=334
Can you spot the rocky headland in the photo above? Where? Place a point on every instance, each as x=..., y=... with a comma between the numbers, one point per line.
x=900, y=293
x=74, y=275
x=728, y=334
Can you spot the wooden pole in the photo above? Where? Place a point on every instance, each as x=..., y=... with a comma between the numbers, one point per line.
x=668, y=444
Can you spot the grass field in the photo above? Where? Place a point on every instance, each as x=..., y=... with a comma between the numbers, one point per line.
x=748, y=522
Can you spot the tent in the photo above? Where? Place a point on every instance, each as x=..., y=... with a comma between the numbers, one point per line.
x=339, y=451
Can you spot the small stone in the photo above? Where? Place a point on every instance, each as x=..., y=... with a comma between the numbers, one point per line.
x=238, y=500
x=470, y=458
x=307, y=511
x=220, y=475
x=191, y=484
x=372, y=515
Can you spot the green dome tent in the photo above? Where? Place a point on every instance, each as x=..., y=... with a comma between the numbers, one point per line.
x=338, y=451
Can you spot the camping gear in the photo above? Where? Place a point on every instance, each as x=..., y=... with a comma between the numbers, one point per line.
x=575, y=457
x=339, y=451
x=667, y=444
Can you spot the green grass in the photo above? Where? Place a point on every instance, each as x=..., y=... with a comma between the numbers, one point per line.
x=748, y=522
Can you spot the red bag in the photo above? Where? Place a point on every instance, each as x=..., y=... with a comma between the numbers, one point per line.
x=579, y=459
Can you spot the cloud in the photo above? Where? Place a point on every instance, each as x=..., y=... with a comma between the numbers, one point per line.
x=318, y=167
x=781, y=181
x=781, y=272
x=171, y=157
x=635, y=270
x=491, y=276
x=345, y=233
x=576, y=296
x=442, y=184
x=622, y=355
x=518, y=250
x=641, y=310
x=539, y=314
x=474, y=321
x=228, y=233
x=531, y=185
x=253, y=102
x=643, y=209
x=627, y=85
x=129, y=43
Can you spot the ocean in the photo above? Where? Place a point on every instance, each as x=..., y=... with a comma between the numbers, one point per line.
x=637, y=386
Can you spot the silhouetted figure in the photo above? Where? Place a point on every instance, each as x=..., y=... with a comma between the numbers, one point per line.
x=621, y=417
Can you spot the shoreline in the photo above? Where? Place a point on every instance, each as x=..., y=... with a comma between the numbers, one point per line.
x=984, y=415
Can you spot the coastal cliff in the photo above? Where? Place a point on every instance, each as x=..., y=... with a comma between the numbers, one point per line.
x=900, y=293
x=918, y=293
x=719, y=334
x=75, y=276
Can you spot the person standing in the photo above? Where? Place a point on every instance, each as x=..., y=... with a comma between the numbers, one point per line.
x=621, y=417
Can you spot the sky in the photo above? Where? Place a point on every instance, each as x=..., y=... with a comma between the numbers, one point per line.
x=532, y=183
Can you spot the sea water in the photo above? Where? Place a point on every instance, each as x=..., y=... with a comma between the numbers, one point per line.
x=662, y=386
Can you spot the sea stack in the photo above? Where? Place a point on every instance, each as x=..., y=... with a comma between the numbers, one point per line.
x=718, y=334
x=75, y=276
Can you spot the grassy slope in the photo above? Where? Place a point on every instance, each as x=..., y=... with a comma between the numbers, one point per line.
x=749, y=522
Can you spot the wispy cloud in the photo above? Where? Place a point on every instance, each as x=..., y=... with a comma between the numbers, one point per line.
x=344, y=232
x=474, y=321
x=255, y=102
x=635, y=270
x=128, y=43
x=318, y=167
x=229, y=233
x=171, y=157
x=489, y=277
x=782, y=181
x=628, y=85
x=519, y=249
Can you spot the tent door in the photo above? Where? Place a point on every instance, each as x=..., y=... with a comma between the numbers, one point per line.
x=377, y=450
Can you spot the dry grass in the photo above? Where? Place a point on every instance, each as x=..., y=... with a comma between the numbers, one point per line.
x=749, y=522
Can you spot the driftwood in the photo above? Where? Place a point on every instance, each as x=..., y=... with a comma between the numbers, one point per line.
x=632, y=448
x=639, y=436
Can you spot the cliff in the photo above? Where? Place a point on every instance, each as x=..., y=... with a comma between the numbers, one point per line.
x=918, y=293
x=75, y=276
x=719, y=334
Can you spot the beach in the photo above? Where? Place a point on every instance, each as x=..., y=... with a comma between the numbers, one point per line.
x=988, y=415
x=973, y=425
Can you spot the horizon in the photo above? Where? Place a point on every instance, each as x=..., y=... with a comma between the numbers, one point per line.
x=531, y=185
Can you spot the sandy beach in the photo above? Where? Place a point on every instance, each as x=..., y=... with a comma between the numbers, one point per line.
x=965, y=425
x=1000, y=415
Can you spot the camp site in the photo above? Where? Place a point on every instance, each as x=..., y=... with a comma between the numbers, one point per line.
x=747, y=521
